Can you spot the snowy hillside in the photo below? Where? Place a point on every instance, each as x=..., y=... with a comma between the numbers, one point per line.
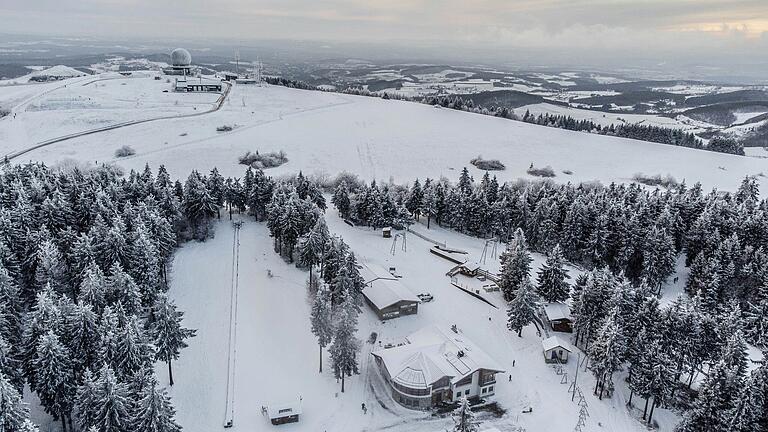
x=328, y=132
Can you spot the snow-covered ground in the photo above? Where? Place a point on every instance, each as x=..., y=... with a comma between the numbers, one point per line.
x=328, y=133
x=276, y=354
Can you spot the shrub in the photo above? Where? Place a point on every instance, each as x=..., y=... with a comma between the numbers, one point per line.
x=657, y=180
x=547, y=171
x=125, y=151
x=263, y=160
x=487, y=164
x=567, y=172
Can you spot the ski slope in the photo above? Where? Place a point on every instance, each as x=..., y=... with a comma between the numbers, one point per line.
x=324, y=133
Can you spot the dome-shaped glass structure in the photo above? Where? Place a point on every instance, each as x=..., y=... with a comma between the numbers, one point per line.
x=181, y=57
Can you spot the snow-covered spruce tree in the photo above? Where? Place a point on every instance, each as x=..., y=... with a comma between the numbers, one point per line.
x=54, y=378
x=515, y=265
x=105, y=404
x=552, y=278
x=749, y=412
x=153, y=411
x=122, y=288
x=84, y=401
x=199, y=207
x=341, y=200
x=715, y=401
x=756, y=317
x=464, y=418
x=658, y=258
x=132, y=349
x=81, y=336
x=51, y=269
x=93, y=288
x=322, y=320
x=215, y=184
x=522, y=308
x=606, y=354
x=44, y=317
x=345, y=345
x=166, y=331
x=414, y=199
x=312, y=245
x=13, y=411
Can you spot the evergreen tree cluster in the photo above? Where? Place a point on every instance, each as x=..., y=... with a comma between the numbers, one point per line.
x=83, y=310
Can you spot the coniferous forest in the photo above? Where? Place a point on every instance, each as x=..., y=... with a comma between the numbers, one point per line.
x=628, y=240
x=85, y=254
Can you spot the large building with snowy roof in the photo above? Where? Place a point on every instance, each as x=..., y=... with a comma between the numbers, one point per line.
x=436, y=366
x=386, y=295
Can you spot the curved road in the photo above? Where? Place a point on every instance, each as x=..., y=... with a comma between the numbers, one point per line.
x=217, y=106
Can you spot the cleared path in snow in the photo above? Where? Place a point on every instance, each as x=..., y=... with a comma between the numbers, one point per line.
x=229, y=410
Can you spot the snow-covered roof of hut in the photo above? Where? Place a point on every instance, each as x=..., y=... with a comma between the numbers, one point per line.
x=431, y=354
x=557, y=311
x=556, y=342
x=382, y=288
x=285, y=409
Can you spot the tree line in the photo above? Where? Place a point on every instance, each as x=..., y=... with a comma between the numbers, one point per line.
x=84, y=313
x=628, y=238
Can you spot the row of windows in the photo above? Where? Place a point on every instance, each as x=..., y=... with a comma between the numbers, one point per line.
x=487, y=390
x=466, y=393
x=411, y=391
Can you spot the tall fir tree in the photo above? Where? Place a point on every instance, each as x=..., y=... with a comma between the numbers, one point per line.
x=553, y=278
x=166, y=331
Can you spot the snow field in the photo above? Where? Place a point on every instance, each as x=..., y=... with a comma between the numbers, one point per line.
x=381, y=139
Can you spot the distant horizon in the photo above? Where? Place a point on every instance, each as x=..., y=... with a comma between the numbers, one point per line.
x=672, y=35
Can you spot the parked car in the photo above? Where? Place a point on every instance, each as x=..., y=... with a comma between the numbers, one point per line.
x=425, y=297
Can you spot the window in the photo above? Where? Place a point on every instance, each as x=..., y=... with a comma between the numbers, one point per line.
x=484, y=390
x=458, y=395
x=490, y=389
x=466, y=392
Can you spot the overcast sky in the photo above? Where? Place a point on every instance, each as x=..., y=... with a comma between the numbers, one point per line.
x=685, y=27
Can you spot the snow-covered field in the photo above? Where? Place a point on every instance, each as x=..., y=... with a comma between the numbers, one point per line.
x=276, y=354
x=327, y=133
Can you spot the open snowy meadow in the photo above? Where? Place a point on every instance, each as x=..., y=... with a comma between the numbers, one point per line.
x=325, y=133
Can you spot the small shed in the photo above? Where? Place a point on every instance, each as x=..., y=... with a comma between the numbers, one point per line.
x=386, y=232
x=282, y=413
x=556, y=350
x=559, y=317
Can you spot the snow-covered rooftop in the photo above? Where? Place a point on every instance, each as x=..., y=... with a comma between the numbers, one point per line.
x=431, y=354
x=284, y=409
x=557, y=311
x=382, y=288
x=555, y=342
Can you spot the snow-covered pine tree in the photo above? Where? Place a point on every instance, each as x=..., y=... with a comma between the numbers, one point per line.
x=552, y=278
x=749, y=413
x=312, y=245
x=166, y=331
x=93, y=288
x=345, y=345
x=13, y=411
x=51, y=269
x=54, y=377
x=44, y=317
x=81, y=336
x=108, y=406
x=658, y=258
x=122, y=288
x=153, y=411
x=341, y=200
x=515, y=265
x=522, y=308
x=322, y=320
x=606, y=353
x=715, y=401
x=463, y=417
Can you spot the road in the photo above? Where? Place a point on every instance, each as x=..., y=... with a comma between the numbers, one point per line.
x=217, y=106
